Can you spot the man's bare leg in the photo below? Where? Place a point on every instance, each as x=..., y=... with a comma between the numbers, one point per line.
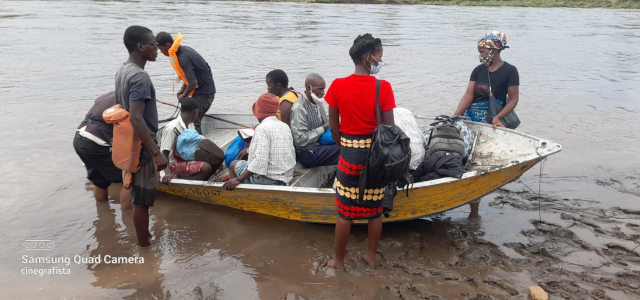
x=205, y=172
x=101, y=195
x=141, y=222
x=475, y=206
x=375, y=230
x=125, y=199
x=232, y=169
x=343, y=228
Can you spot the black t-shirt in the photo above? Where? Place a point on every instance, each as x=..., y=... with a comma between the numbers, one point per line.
x=93, y=120
x=196, y=68
x=501, y=80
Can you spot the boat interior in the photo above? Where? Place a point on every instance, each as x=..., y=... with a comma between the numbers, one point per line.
x=492, y=150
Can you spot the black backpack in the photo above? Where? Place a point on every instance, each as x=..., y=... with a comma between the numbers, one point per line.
x=389, y=155
x=445, y=139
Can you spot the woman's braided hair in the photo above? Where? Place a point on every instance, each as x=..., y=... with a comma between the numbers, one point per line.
x=363, y=44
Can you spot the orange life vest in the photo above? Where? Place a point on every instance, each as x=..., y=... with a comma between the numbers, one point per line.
x=175, y=63
x=126, y=146
x=291, y=96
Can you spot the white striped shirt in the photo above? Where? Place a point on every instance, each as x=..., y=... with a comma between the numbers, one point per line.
x=271, y=152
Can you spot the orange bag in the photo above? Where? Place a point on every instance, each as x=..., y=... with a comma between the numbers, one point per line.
x=126, y=146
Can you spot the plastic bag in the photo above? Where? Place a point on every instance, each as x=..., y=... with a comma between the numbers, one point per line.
x=407, y=122
x=125, y=152
x=233, y=150
x=326, y=138
x=187, y=143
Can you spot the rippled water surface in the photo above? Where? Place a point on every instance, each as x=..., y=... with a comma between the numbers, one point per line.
x=580, y=86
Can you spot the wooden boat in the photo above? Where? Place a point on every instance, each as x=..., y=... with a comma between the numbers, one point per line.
x=499, y=157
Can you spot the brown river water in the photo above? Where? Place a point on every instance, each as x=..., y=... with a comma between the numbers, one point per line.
x=580, y=86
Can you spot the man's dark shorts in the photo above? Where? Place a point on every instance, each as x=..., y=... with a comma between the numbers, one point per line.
x=97, y=160
x=204, y=103
x=145, y=182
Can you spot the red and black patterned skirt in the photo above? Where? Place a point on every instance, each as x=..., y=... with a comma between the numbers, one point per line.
x=353, y=155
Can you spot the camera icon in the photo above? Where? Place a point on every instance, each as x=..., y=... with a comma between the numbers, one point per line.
x=38, y=244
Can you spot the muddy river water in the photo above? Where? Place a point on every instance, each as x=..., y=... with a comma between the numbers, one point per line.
x=580, y=86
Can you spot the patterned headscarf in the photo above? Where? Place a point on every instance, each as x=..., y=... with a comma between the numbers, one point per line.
x=493, y=40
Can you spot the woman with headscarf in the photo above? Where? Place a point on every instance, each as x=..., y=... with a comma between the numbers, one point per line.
x=503, y=77
x=352, y=119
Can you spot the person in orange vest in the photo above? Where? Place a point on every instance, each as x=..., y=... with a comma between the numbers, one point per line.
x=193, y=70
x=277, y=82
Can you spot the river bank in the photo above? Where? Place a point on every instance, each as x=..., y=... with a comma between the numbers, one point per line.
x=612, y=4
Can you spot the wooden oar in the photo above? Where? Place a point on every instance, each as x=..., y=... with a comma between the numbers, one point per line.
x=210, y=116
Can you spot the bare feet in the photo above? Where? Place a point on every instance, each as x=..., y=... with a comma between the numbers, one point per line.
x=143, y=244
x=336, y=265
x=147, y=241
x=370, y=259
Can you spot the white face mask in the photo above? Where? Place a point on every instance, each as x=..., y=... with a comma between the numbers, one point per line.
x=376, y=69
x=314, y=97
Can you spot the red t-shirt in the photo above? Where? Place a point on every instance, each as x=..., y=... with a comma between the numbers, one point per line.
x=355, y=99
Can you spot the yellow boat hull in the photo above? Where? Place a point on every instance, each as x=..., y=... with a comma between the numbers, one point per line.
x=498, y=158
x=319, y=205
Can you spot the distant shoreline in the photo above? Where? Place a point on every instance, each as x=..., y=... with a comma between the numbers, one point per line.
x=613, y=4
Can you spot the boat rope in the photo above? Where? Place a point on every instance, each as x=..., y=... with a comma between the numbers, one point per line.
x=173, y=116
x=540, y=197
x=208, y=115
x=545, y=197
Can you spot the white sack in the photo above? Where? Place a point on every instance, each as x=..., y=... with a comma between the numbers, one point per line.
x=407, y=122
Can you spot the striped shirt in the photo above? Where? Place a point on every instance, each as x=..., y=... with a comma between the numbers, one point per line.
x=271, y=152
x=306, y=123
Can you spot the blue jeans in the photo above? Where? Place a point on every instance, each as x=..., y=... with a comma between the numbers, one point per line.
x=242, y=166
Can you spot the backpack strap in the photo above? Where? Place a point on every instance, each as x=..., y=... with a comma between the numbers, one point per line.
x=95, y=122
x=363, y=177
x=175, y=145
x=378, y=114
x=489, y=76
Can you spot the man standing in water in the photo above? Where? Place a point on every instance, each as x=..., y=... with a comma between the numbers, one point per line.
x=136, y=94
x=194, y=72
x=93, y=145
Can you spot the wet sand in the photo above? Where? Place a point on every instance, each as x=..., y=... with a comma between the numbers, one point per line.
x=200, y=251
x=63, y=54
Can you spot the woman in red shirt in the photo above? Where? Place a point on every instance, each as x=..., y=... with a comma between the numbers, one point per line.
x=352, y=119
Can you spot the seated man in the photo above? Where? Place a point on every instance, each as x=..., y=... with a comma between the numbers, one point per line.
x=196, y=170
x=271, y=153
x=277, y=82
x=309, y=121
x=93, y=145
